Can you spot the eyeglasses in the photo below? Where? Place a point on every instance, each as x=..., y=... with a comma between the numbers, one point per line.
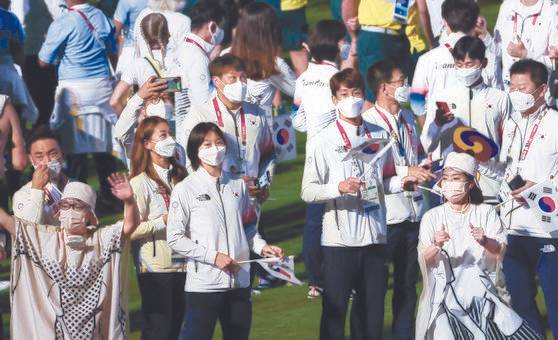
x=75, y=205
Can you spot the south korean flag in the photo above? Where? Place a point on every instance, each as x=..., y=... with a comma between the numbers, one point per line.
x=543, y=200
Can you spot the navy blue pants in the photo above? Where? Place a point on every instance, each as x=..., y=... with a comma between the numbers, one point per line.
x=528, y=257
x=402, y=250
x=363, y=269
x=311, y=243
x=232, y=308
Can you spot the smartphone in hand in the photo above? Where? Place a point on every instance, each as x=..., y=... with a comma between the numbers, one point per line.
x=174, y=84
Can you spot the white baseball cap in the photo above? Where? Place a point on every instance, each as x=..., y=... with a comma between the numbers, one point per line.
x=82, y=192
x=463, y=162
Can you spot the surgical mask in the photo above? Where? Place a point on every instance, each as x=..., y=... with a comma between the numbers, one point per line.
x=159, y=109
x=235, y=92
x=54, y=168
x=522, y=101
x=350, y=107
x=468, y=76
x=213, y=156
x=453, y=190
x=217, y=37
x=72, y=220
x=165, y=147
x=345, y=51
x=402, y=94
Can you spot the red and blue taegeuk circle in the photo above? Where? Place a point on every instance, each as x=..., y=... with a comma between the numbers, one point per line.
x=547, y=204
x=282, y=136
x=371, y=149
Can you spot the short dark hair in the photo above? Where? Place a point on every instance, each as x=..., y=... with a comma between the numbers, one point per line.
x=204, y=12
x=348, y=77
x=380, y=73
x=460, y=15
x=224, y=63
x=197, y=135
x=324, y=39
x=41, y=133
x=537, y=71
x=469, y=46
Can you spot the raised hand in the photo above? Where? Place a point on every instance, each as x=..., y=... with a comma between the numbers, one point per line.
x=152, y=88
x=40, y=177
x=120, y=187
x=517, y=49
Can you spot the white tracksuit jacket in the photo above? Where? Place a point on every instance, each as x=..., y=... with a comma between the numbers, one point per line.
x=208, y=215
x=345, y=223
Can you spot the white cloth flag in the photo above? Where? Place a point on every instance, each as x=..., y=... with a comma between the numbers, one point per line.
x=282, y=269
x=543, y=201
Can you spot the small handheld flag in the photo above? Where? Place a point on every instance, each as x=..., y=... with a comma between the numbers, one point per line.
x=282, y=269
x=543, y=200
x=368, y=151
x=466, y=139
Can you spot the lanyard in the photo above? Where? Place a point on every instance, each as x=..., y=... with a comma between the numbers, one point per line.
x=527, y=146
x=222, y=124
x=193, y=42
x=165, y=195
x=346, y=140
x=535, y=17
x=89, y=24
x=154, y=66
x=395, y=133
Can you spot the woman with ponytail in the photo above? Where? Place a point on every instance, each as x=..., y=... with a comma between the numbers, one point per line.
x=155, y=171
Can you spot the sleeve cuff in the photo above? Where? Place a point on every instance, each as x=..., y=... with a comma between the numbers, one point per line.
x=37, y=195
x=158, y=224
x=210, y=256
x=402, y=170
x=135, y=100
x=332, y=190
x=259, y=244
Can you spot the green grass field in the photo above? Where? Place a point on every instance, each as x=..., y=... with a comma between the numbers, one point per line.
x=285, y=312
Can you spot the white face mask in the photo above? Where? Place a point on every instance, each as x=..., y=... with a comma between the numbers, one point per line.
x=350, y=107
x=522, y=101
x=54, y=168
x=217, y=37
x=165, y=147
x=72, y=220
x=235, y=92
x=453, y=190
x=345, y=51
x=402, y=94
x=213, y=155
x=468, y=76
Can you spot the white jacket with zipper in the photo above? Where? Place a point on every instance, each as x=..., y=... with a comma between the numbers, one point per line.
x=207, y=216
x=404, y=205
